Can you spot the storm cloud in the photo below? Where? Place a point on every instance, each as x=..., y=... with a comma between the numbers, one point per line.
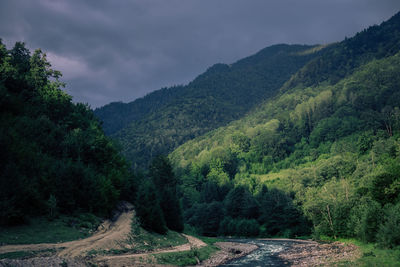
x=120, y=50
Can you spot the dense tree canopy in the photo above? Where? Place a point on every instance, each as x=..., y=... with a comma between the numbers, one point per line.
x=51, y=148
x=56, y=158
x=165, y=119
x=326, y=148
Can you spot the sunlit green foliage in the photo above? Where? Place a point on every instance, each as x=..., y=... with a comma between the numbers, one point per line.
x=328, y=143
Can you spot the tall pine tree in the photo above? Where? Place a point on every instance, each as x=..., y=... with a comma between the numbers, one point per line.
x=166, y=184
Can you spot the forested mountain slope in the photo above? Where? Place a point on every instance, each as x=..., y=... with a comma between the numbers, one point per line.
x=159, y=122
x=299, y=96
x=328, y=144
x=117, y=115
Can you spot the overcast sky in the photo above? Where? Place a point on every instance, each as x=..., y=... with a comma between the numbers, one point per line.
x=119, y=50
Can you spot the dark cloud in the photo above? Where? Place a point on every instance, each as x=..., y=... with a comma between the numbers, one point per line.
x=121, y=50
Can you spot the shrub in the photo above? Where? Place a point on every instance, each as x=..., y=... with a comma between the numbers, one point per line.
x=389, y=232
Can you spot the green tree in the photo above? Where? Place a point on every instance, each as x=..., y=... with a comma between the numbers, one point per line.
x=148, y=208
x=365, y=219
x=240, y=203
x=166, y=183
x=389, y=232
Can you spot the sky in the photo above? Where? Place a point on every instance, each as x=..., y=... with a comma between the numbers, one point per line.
x=123, y=49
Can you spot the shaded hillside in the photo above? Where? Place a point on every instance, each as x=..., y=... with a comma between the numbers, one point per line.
x=222, y=94
x=56, y=159
x=54, y=154
x=330, y=142
x=117, y=115
x=342, y=58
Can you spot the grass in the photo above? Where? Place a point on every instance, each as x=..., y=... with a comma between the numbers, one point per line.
x=371, y=254
x=191, y=257
x=41, y=230
x=148, y=241
x=27, y=254
x=142, y=241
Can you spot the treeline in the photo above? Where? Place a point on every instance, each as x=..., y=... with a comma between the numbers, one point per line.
x=331, y=145
x=157, y=201
x=55, y=157
x=225, y=210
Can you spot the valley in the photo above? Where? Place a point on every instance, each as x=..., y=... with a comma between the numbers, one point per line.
x=290, y=156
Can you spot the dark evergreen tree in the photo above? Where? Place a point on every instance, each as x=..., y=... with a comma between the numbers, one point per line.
x=240, y=203
x=148, y=208
x=165, y=181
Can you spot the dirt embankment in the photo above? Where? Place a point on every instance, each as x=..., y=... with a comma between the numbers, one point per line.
x=109, y=235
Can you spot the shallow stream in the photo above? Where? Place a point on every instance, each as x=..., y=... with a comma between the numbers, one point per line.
x=265, y=255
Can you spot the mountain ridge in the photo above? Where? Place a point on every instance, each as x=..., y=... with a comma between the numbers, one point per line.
x=221, y=94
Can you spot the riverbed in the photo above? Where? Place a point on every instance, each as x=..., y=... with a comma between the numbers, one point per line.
x=289, y=252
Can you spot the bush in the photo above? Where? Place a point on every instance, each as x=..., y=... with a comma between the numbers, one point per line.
x=389, y=232
x=247, y=227
x=365, y=220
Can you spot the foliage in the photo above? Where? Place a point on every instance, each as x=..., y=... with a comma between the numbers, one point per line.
x=365, y=219
x=389, y=231
x=160, y=171
x=51, y=146
x=325, y=147
x=165, y=119
x=148, y=208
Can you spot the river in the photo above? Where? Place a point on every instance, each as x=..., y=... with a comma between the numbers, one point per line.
x=265, y=255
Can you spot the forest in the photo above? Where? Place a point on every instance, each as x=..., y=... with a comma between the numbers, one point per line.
x=322, y=157
x=294, y=141
x=56, y=159
x=161, y=121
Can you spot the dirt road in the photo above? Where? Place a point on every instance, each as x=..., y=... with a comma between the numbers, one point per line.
x=138, y=259
x=110, y=235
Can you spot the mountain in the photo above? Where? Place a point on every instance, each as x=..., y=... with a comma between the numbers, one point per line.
x=165, y=119
x=333, y=64
x=325, y=147
x=117, y=115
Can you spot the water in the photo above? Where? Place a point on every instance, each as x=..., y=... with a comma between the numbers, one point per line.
x=265, y=255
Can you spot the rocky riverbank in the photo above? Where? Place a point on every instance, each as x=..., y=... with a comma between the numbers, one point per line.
x=311, y=253
x=229, y=251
